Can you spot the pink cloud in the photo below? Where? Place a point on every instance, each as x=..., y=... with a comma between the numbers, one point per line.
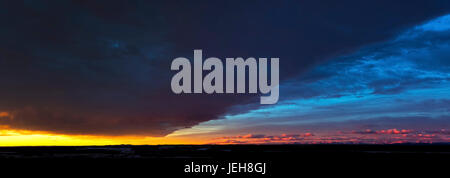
x=368, y=136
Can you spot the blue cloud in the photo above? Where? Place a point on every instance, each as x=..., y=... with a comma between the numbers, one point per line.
x=405, y=77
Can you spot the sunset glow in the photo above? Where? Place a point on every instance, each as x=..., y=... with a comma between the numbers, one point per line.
x=85, y=75
x=10, y=137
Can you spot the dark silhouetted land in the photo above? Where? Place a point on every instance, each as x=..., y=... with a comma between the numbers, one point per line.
x=281, y=159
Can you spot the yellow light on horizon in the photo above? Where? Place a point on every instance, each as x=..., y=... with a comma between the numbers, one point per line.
x=11, y=137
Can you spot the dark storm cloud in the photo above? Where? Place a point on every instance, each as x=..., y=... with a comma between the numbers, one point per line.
x=102, y=67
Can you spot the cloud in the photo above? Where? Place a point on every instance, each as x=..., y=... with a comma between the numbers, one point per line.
x=402, y=82
x=83, y=67
x=263, y=139
x=4, y=114
x=387, y=136
x=388, y=131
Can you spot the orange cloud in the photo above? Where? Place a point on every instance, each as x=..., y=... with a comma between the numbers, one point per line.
x=4, y=114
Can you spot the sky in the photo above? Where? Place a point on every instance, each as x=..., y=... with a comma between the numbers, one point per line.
x=98, y=72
